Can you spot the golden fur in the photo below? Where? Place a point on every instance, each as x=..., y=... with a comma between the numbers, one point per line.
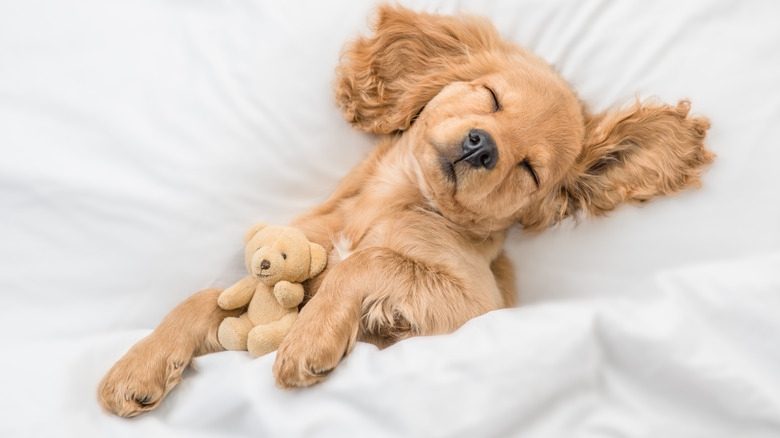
x=415, y=233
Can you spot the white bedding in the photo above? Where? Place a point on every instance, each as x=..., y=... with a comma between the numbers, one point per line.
x=140, y=138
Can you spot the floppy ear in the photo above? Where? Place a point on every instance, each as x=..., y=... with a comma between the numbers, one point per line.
x=630, y=156
x=384, y=81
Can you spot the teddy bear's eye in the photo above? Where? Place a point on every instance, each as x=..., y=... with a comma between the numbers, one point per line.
x=284, y=256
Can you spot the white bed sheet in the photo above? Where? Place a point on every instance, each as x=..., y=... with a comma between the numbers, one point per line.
x=140, y=138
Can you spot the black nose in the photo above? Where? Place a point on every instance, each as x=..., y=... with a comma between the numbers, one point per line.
x=265, y=264
x=480, y=150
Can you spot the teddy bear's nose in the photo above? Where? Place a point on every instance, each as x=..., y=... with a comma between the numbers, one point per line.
x=265, y=264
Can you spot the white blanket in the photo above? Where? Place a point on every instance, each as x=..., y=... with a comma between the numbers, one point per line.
x=141, y=138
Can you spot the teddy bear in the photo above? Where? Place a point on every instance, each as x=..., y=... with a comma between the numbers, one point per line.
x=278, y=258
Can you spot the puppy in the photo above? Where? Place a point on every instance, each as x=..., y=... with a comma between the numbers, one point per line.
x=477, y=135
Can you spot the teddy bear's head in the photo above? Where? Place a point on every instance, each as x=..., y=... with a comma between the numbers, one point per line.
x=276, y=253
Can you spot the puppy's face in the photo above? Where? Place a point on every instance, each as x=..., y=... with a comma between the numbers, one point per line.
x=497, y=136
x=491, y=147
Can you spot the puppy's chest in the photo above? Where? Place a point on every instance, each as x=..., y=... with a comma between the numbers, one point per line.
x=347, y=242
x=421, y=239
x=343, y=247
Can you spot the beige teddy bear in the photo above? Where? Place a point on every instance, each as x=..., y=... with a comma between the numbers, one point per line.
x=278, y=259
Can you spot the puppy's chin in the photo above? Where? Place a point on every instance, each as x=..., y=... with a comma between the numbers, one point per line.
x=472, y=198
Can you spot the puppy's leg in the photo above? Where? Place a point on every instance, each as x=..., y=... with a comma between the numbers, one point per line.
x=504, y=273
x=386, y=296
x=324, y=331
x=151, y=368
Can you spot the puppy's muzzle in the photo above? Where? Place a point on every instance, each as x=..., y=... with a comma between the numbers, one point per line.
x=479, y=150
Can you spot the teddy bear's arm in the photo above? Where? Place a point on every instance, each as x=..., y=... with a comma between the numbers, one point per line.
x=238, y=295
x=288, y=294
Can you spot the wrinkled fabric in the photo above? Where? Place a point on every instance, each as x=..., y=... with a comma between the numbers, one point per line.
x=140, y=139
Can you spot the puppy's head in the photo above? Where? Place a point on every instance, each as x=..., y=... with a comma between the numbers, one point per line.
x=497, y=136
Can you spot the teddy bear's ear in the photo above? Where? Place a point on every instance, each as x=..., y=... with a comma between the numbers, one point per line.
x=254, y=230
x=319, y=257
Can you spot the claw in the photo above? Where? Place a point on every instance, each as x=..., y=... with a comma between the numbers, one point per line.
x=320, y=372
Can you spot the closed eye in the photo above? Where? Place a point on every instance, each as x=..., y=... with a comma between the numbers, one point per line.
x=527, y=166
x=496, y=104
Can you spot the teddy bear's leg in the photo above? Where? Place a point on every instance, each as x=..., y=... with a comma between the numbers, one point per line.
x=151, y=368
x=266, y=338
x=233, y=332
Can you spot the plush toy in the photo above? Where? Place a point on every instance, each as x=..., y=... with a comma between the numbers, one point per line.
x=278, y=259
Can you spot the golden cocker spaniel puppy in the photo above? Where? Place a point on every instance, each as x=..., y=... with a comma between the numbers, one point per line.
x=477, y=135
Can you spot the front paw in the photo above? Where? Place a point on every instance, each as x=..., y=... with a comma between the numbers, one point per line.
x=141, y=379
x=305, y=361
